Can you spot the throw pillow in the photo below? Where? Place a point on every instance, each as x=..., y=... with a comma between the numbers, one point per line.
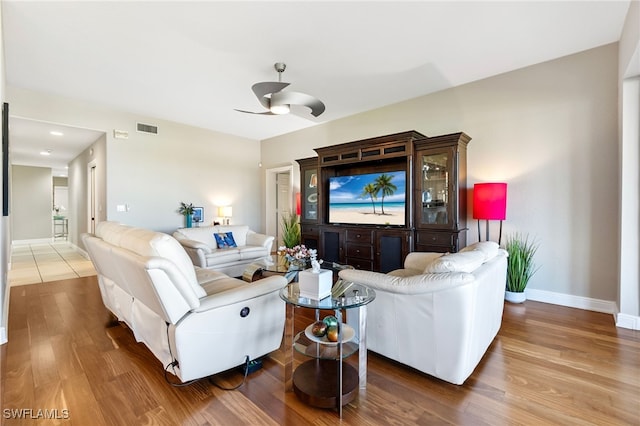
x=225, y=240
x=456, y=262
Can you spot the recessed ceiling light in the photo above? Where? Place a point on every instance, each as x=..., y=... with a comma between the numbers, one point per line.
x=56, y=133
x=47, y=152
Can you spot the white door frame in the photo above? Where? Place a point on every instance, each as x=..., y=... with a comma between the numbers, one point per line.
x=92, y=168
x=270, y=204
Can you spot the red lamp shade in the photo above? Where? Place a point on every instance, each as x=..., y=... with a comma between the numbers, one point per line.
x=298, y=206
x=490, y=201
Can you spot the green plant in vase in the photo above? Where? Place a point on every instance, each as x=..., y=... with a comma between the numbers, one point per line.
x=290, y=230
x=187, y=211
x=520, y=265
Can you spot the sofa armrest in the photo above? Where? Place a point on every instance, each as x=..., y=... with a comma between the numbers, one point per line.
x=196, y=250
x=198, y=245
x=243, y=291
x=417, y=284
x=256, y=239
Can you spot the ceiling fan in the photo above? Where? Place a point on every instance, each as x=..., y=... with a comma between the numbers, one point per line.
x=271, y=96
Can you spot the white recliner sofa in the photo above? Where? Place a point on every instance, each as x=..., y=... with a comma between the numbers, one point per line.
x=202, y=248
x=202, y=321
x=440, y=313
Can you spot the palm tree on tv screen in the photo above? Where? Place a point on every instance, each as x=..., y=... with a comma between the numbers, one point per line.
x=371, y=191
x=383, y=183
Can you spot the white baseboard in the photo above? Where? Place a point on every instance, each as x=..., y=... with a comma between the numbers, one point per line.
x=82, y=252
x=587, y=303
x=628, y=321
x=605, y=306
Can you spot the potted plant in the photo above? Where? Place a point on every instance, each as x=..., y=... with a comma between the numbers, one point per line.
x=290, y=230
x=520, y=266
x=187, y=211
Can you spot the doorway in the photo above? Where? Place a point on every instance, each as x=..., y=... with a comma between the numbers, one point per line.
x=279, y=200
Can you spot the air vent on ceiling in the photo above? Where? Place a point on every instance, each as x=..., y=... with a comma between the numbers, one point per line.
x=147, y=128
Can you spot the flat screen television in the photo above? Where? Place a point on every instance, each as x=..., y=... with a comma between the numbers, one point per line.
x=368, y=199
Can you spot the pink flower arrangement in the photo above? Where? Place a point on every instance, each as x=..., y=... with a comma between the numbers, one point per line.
x=299, y=252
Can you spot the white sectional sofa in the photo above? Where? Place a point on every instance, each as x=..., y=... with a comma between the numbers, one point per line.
x=202, y=248
x=440, y=313
x=203, y=320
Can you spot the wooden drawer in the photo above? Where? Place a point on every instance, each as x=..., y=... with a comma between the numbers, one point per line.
x=434, y=249
x=360, y=251
x=434, y=239
x=309, y=229
x=364, y=265
x=359, y=236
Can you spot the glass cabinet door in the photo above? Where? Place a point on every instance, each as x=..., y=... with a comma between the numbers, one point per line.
x=435, y=186
x=310, y=194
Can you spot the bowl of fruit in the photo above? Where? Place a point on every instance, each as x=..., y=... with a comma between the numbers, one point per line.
x=326, y=331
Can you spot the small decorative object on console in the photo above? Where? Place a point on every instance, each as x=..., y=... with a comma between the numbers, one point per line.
x=315, y=286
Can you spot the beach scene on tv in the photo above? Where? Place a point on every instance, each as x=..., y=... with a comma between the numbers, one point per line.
x=368, y=199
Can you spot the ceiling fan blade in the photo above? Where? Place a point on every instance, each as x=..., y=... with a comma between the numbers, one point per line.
x=251, y=112
x=297, y=98
x=265, y=88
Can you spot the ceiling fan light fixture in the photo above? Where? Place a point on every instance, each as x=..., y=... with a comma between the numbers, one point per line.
x=277, y=101
x=280, y=109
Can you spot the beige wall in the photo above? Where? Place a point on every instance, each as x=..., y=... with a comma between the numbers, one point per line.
x=31, y=203
x=153, y=174
x=549, y=130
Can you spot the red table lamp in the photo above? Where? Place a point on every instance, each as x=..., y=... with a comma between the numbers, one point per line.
x=490, y=203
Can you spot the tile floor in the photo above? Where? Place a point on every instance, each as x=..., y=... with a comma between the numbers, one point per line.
x=43, y=262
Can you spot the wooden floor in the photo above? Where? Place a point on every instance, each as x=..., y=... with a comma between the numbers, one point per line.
x=548, y=365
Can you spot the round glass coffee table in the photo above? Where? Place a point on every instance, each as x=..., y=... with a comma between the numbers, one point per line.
x=316, y=381
x=277, y=265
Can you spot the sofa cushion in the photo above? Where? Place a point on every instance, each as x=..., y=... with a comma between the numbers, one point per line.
x=488, y=248
x=467, y=261
x=225, y=240
x=223, y=256
x=204, y=234
x=253, y=252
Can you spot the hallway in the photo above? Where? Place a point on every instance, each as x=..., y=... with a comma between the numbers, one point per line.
x=44, y=262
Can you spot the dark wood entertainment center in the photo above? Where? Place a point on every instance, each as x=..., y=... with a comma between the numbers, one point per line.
x=435, y=201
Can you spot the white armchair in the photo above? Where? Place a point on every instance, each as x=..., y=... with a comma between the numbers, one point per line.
x=440, y=313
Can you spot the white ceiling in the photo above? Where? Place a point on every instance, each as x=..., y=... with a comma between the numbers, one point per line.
x=194, y=62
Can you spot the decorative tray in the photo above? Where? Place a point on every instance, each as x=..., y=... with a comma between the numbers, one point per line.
x=348, y=333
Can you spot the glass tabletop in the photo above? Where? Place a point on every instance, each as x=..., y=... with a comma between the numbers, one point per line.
x=353, y=296
x=275, y=263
